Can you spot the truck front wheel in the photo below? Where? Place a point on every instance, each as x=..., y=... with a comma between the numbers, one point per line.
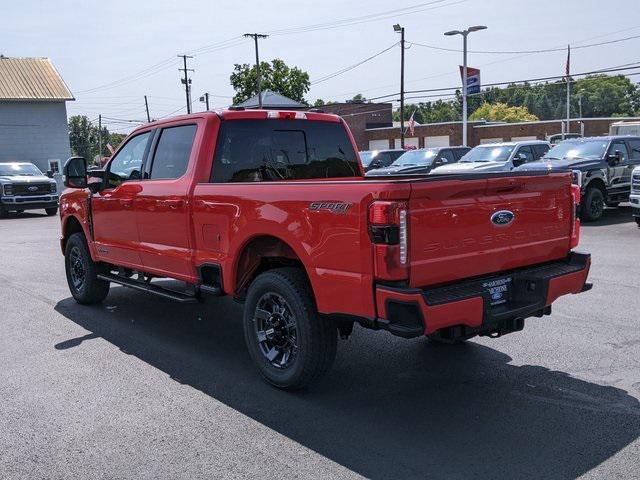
x=82, y=272
x=287, y=340
x=592, y=205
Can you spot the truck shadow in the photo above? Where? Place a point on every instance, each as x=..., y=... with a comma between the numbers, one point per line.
x=390, y=408
x=612, y=216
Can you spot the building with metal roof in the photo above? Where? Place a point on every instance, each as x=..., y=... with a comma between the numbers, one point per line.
x=274, y=101
x=33, y=113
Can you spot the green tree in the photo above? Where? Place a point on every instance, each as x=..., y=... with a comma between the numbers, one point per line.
x=502, y=112
x=605, y=96
x=83, y=138
x=291, y=82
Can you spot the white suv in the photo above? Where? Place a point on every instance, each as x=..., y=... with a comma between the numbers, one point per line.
x=634, y=197
x=497, y=157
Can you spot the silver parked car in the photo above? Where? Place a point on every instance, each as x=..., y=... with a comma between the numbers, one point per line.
x=497, y=157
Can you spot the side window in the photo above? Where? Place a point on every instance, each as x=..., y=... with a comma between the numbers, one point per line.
x=127, y=164
x=446, y=156
x=460, y=153
x=524, y=154
x=173, y=150
x=540, y=150
x=621, y=147
x=635, y=149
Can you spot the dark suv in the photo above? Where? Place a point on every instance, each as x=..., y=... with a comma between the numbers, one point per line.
x=602, y=167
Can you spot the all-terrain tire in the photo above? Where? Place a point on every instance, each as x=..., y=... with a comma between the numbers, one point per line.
x=315, y=336
x=82, y=272
x=592, y=205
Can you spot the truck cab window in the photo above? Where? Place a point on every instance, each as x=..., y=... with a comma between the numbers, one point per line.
x=172, y=153
x=619, y=147
x=127, y=164
x=276, y=150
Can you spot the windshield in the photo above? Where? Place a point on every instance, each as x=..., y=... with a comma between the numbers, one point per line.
x=415, y=157
x=16, y=169
x=367, y=156
x=578, y=150
x=489, y=153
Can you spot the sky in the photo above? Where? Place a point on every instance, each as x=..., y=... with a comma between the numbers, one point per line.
x=112, y=53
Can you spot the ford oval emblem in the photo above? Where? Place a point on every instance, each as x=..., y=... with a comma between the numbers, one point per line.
x=33, y=189
x=502, y=218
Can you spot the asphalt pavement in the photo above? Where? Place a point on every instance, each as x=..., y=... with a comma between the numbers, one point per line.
x=140, y=387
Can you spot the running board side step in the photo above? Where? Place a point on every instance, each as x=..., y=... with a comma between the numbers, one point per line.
x=149, y=288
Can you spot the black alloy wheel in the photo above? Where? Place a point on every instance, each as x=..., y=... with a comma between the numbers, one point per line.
x=276, y=330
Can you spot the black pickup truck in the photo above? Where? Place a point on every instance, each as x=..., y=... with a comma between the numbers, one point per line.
x=602, y=167
x=24, y=187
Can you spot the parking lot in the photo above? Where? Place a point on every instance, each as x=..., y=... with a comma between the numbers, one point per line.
x=140, y=387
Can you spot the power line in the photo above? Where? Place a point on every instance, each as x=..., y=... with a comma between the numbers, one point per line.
x=351, y=67
x=556, y=77
x=512, y=52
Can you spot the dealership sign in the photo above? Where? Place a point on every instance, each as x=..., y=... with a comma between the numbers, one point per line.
x=473, y=79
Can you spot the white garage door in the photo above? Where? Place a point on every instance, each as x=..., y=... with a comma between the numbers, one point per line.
x=408, y=142
x=522, y=139
x=378, y=144
x=490, y=140
x=437, y=141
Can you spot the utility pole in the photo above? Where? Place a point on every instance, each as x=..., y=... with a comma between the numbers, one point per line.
x=568, y=89
x=465, y=34
x=398, y=29
x=186, y=80
x=146, y=106
x=255, y=37
x=100, y=140
x=205, y=99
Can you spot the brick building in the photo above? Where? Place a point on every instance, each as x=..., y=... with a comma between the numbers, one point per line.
x=373, y=128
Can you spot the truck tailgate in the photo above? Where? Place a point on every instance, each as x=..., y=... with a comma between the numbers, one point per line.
x=452, y=235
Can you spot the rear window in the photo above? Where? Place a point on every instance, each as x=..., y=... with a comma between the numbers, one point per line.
x=273, y=150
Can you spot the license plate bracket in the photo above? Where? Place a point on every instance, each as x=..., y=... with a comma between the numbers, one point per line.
x=499, y=290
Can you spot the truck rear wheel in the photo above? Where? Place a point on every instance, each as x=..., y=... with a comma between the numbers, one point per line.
x=287, y=340
x=82, y=272
x=593, y=205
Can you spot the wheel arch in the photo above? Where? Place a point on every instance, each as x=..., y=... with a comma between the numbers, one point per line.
x=259, y=254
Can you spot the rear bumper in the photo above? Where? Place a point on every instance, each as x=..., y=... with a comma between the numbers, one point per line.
x=467, y=306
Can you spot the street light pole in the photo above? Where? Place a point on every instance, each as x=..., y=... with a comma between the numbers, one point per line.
x=397, y=28
x=464, y=87
x=465, y=34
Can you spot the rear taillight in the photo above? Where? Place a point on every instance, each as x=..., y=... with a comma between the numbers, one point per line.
x=388, y=227
x=575, y=217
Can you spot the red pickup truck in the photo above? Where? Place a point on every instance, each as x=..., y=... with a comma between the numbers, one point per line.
x=273, y=208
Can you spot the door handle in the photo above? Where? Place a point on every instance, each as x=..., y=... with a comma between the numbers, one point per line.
x=126, y=202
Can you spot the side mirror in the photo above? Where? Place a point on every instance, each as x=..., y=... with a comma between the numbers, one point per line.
x=50, y=173
x=75, y=173
x=519, y=159
x=615, y=158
